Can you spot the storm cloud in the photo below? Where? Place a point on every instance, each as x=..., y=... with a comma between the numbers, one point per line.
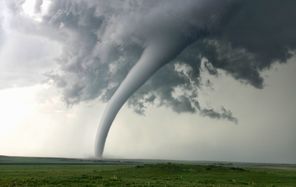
x=102, y=40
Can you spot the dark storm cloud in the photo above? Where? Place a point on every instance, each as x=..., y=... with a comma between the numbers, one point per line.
x=248, y=43
x=261, y=33
x=103, y=40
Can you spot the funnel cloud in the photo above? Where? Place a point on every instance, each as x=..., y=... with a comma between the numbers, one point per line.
x=163, y=48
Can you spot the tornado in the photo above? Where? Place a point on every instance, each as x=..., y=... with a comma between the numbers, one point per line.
x=173, y=36
x=156, y=54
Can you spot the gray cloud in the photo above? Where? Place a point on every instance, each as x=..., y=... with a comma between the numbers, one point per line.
x=38, y=5
x=225, y=114
x=103, y=40
x=1, y=29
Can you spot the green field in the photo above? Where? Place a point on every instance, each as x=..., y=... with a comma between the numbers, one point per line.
x=53, y=172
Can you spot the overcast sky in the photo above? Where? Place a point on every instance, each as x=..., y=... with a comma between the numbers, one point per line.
x=227, y=97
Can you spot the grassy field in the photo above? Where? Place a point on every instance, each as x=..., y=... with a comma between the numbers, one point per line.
x=75, y=173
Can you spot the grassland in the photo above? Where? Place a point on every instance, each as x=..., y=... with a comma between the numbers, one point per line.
x=77, y=173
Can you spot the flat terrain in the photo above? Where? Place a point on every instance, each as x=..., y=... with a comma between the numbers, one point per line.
x=71, y=172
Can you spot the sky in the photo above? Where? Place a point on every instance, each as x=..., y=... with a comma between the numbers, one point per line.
x=228, y=96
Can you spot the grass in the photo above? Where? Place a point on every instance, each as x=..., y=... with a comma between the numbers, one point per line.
x=142, y=175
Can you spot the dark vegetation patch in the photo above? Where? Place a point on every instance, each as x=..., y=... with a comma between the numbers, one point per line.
x=165, y=174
